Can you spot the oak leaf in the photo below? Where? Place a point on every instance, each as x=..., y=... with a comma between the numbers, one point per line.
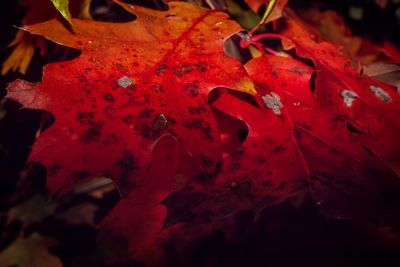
x=136, y=87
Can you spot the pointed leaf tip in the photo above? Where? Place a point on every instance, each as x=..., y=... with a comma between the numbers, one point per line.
x=63, y=7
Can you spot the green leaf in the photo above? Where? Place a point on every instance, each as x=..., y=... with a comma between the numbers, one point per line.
x=30, y=252
x=63, y=7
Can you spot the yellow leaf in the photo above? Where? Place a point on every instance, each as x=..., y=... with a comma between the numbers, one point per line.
x=39, y=11
x=21, y=56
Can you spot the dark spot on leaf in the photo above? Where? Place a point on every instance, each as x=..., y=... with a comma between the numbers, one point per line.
x=147, y=132
x=84, y=117
x=146, y=113
x=171, y=120
x=297, y=70
x=242, y=189
x=183, y=69
x=126, y=163
x=161, y=69
x=195, y=111
x=282, y=186
x=203, y=177
x=120, y=66
x=201, y=66
x=261, y=160
x=277, y=149
x=90, y=135
x=128, y=119
x=206, y=160
x=297, y=134
x=369, y=151
x=192, y=89
x=156, y=88
x=199, y=124
x=108, y=97
x=352, y=128
x=338, y=118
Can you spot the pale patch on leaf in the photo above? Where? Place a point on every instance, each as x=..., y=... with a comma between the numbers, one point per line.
x=380, y=93
x=348, y=97
x=125, y=82
x=273, y=101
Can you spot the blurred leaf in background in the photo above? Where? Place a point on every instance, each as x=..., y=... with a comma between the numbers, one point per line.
x=39, y=11
x=31, y=251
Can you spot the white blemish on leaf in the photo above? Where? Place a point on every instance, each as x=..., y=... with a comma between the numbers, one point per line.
x=125, y=81
x=273, y=101
x=380, y=93
x=348, y=97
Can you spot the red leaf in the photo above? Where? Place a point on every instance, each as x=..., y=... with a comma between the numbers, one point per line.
x=134, y=84
x=378, y=108
x=299, y=146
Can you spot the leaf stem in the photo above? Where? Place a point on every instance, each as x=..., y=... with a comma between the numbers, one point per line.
x=267, y=12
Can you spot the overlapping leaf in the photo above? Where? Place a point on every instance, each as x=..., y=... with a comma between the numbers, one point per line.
x=301, y=146
x=336, y=75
